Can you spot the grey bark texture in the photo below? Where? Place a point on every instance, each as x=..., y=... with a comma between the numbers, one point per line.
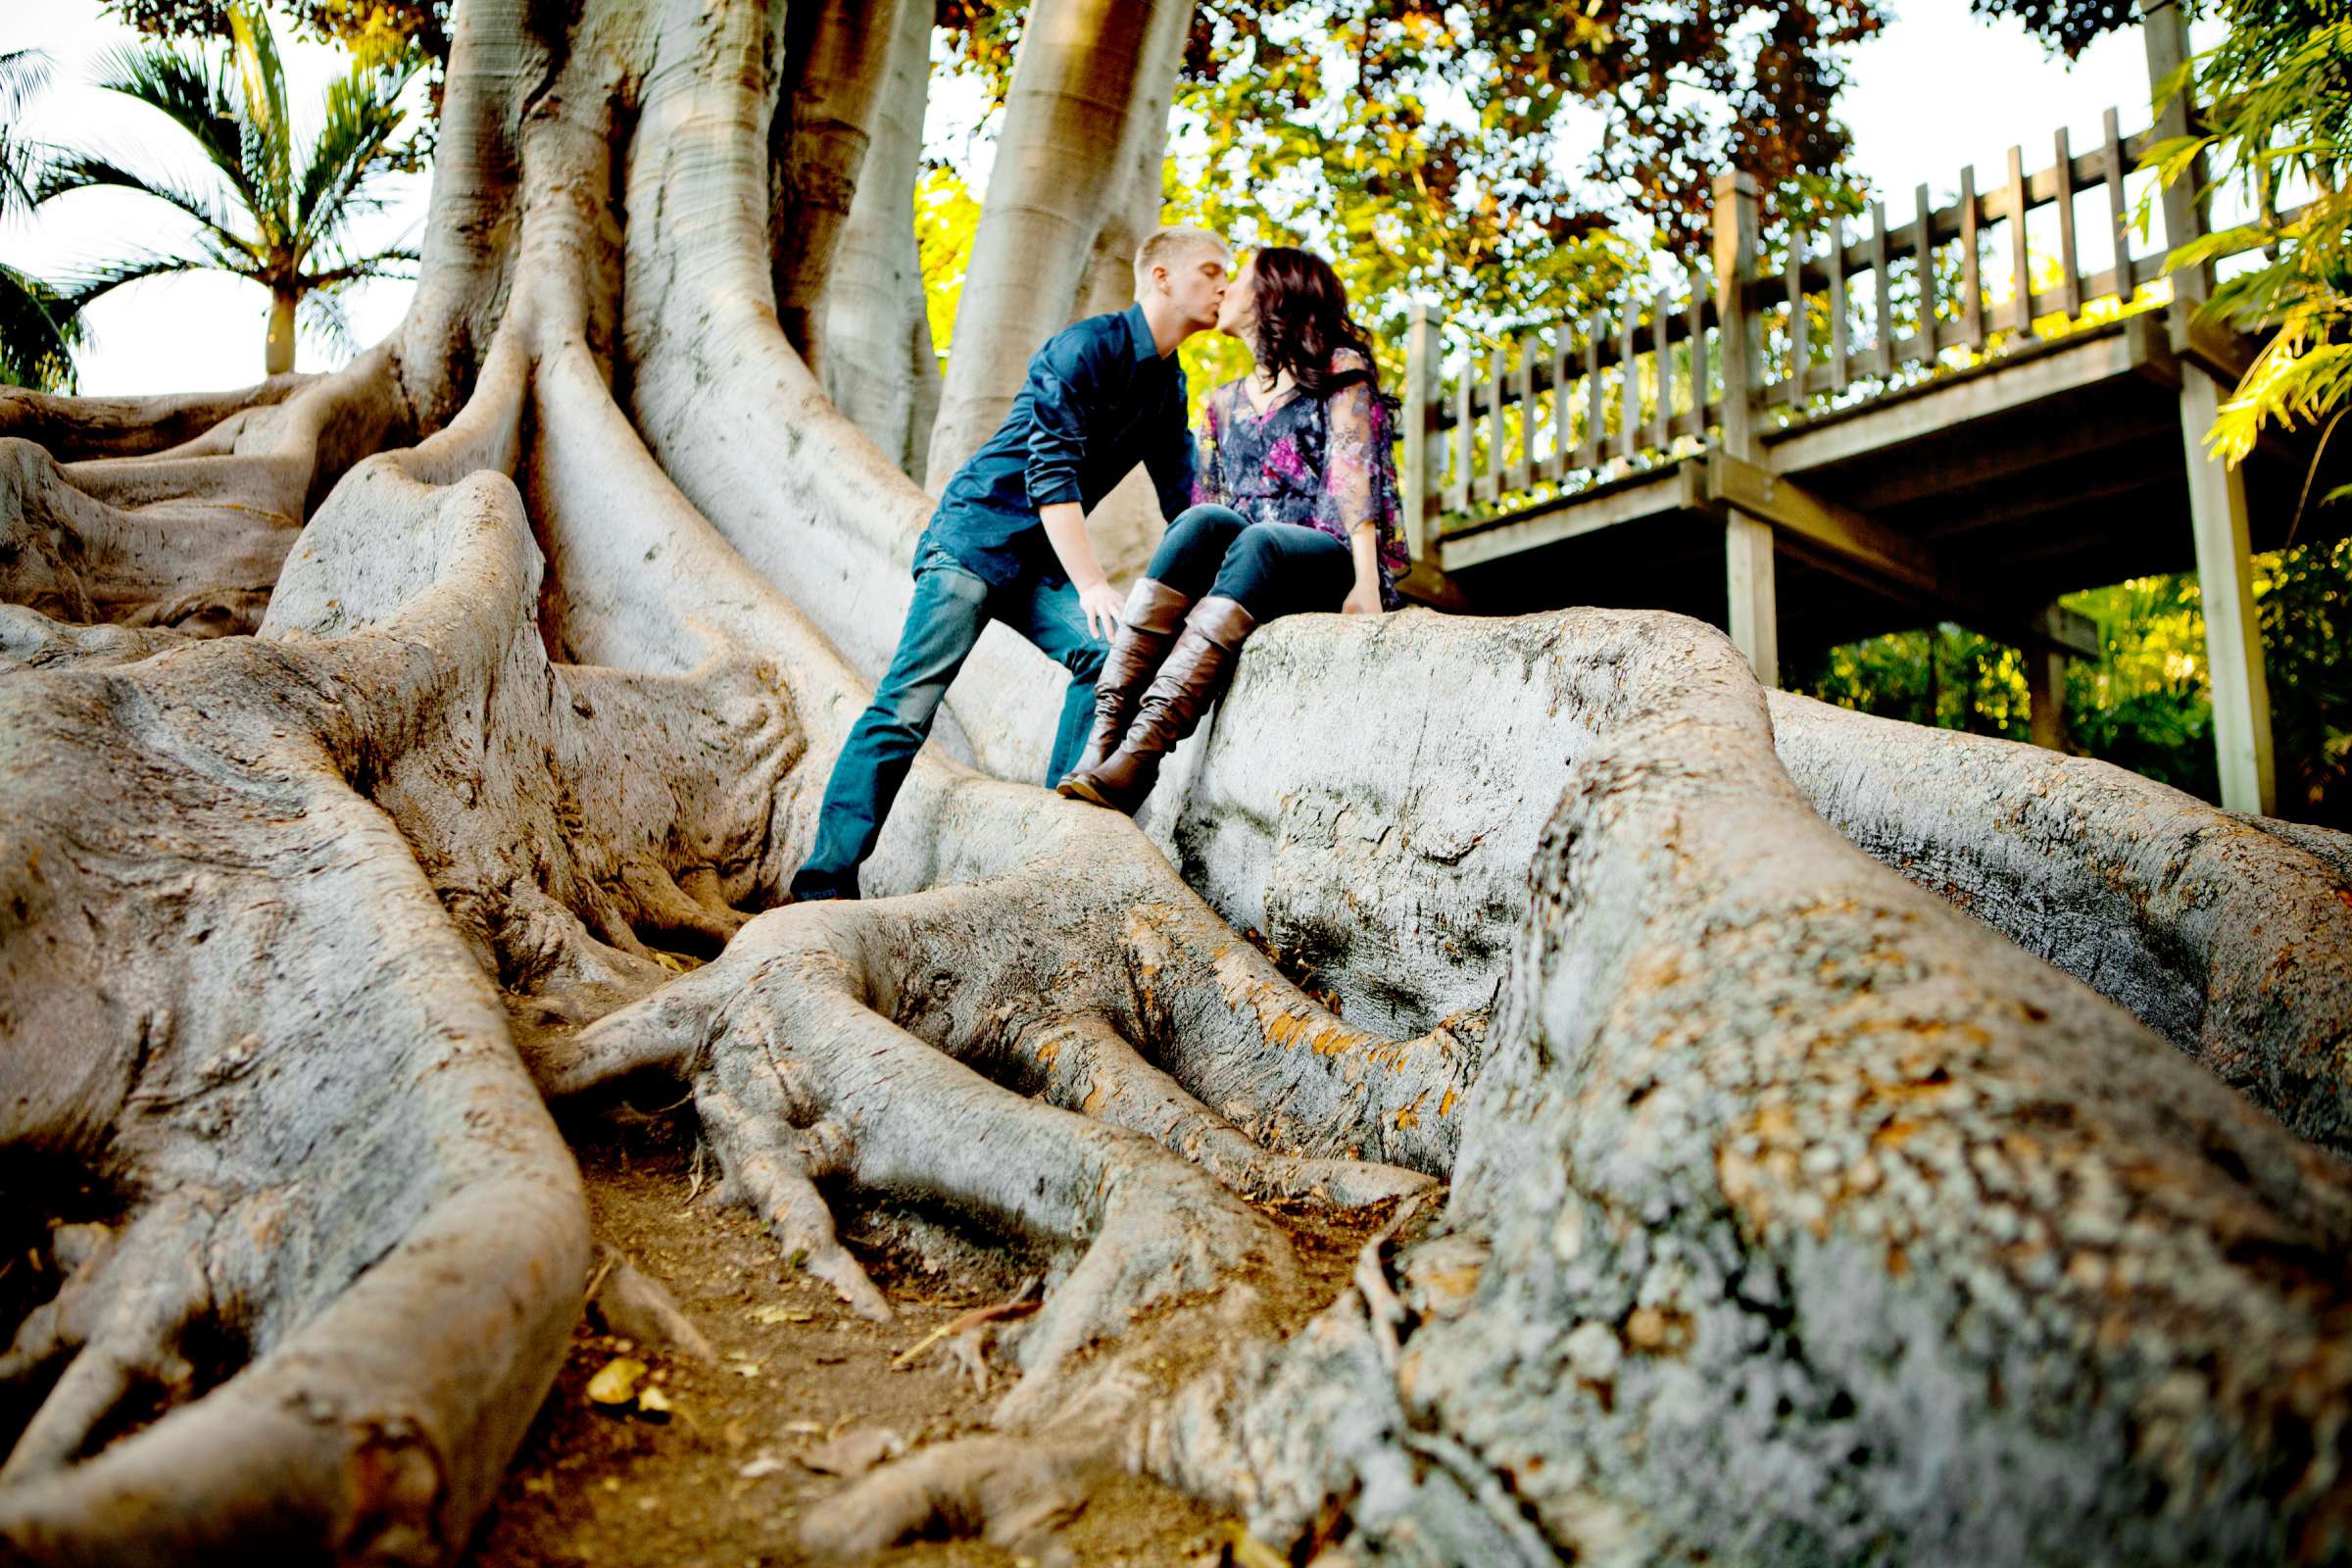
x=1862, y=1143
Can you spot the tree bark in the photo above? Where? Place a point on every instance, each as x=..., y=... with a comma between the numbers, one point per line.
x=882, y=369
x=1092, y=88
x=1766, y=1164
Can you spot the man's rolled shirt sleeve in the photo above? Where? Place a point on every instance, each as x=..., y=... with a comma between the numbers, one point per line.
x=1059, y=380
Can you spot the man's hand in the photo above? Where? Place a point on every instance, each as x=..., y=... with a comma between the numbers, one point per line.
x=1362, y=600
x=1103, y=606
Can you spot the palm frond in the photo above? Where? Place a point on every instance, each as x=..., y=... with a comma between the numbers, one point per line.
x=40, y=328
x=393, y=261
x=266, y=133
x=103, y=279
x=320, y=317
x=24, y=72
x=86, y=171
x=352, y=147
x=193, y=94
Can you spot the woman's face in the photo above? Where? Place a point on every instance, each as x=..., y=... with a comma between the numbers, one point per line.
x=1238, y=314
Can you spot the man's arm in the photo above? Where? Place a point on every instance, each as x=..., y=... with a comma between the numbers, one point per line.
x=1062, y=387
x=1063, y=375
x=1065, y=530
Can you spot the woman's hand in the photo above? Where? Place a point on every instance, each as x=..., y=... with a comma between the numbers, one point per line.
x=1362, y=600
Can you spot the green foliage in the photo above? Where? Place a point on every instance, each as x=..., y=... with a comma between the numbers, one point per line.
x=2279, y=117
x=265, y=212
x=39, y=326
x=356, y=24
x=1420, y=143
x=2144, y=703
x=947, y=219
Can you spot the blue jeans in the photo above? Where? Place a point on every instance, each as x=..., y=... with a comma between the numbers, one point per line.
x=1270, y=568
x=952, y=606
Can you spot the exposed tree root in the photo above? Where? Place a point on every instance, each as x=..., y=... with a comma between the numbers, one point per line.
x=2230, y=939
x=1794, y=1217
x=1395, y=867
x=1869, y=1219
x=188, y=538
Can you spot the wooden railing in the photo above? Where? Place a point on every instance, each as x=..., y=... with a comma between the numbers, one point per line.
x=1591, y=399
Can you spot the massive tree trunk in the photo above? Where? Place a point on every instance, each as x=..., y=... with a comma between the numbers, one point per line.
x=881, y=368
x=1986, y=1204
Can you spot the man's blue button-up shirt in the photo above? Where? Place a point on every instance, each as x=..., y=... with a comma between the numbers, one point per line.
x=1099, y=399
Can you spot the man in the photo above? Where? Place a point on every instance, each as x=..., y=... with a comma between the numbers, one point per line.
x=1009, y=541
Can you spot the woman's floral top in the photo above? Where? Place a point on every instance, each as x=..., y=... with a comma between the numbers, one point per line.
x=1325, y=462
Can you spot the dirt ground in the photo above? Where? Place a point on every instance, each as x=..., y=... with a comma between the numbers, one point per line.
x=722, y=1478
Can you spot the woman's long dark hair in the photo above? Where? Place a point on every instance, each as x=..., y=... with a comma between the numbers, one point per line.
x=1302, y=320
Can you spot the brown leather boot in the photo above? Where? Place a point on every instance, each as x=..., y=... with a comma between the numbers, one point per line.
x=1154, y=614
x=1189, y=680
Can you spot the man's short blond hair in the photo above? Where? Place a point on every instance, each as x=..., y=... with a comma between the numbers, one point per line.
x=1165, y=247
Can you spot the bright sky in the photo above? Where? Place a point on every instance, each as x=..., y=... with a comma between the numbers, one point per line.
x=1937, y=89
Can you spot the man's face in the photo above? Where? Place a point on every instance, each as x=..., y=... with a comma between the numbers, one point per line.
x=1197, y=286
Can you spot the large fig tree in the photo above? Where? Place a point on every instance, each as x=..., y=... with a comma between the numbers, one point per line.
x=1809, y=1138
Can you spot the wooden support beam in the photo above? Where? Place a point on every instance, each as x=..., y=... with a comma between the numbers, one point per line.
x=1661, y=424
x=2070, y=631
x=1800, y=353
x=1923, y=249
x=1753, y=621
x=2045, y=695
x=2070, y=266
x=2164, y=33
x=1489, y=484
x=1694, y=422
x=1523, y=389
x=1972, y=287
x=2021, y=260
x=2119, y=215
x=1465, y=437
x=1869, y=552
x=1747, y=487
x=1629, y=386
x=2241, y=697
x=1838, y=376
x=1418, y=482
x=1563, y=408
x=1881, y=350
x=1589, y=455
x=1754, y=613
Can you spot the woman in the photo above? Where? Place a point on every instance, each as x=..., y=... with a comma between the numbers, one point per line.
x=1294, y=508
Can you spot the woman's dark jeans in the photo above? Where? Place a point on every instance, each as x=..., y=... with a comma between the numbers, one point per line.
x=1273, y=569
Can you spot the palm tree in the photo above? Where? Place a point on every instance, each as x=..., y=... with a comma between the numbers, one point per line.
x=39, y=325
x=282, y=227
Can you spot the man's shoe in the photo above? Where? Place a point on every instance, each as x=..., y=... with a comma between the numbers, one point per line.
x=1189, y=680
x=1153, y=615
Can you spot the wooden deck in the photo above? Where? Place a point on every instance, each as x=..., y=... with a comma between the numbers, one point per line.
x=1864, y=438
x=1980, y=498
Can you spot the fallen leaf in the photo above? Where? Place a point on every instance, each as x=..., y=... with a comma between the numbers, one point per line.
x=615, y=1383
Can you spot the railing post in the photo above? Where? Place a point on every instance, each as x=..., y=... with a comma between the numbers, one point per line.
x=1753, y=622
x=2045, y=689
x=2166, y=35
x=2217, y=493
x=1421, y=389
